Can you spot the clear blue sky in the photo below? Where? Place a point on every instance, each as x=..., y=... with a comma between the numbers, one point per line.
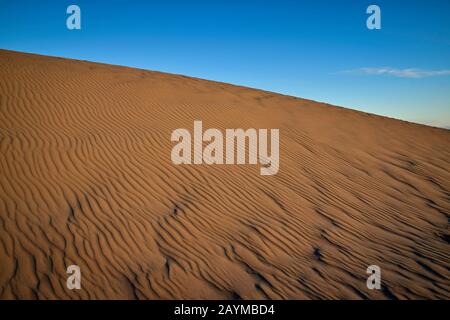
x=319, y=49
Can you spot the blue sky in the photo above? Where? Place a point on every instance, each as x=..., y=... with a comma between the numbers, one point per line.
x=319, y=50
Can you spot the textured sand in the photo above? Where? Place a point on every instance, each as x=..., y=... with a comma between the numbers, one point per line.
x=86, y=179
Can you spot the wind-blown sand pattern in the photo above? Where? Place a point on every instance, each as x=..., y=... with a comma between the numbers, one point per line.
x=86, y=179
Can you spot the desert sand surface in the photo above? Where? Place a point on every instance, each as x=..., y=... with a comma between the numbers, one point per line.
x=86, y=178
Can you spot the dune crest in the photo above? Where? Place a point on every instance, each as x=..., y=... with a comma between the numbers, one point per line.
x=86, y=178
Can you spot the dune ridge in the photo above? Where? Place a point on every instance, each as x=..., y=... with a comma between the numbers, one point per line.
x=86, y=179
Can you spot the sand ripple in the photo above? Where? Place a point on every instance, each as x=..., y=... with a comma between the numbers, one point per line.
x=86, y=179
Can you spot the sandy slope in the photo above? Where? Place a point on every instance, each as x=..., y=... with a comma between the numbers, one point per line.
x=86, y=179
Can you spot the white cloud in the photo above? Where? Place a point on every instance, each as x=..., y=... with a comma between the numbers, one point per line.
x=399, y=73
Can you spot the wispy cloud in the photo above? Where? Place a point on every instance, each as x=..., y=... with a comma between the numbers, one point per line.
x=399, y=73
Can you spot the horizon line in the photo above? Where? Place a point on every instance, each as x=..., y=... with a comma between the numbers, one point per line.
x=446, y=127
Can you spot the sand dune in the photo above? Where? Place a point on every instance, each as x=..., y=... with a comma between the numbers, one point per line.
x=87, y=179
